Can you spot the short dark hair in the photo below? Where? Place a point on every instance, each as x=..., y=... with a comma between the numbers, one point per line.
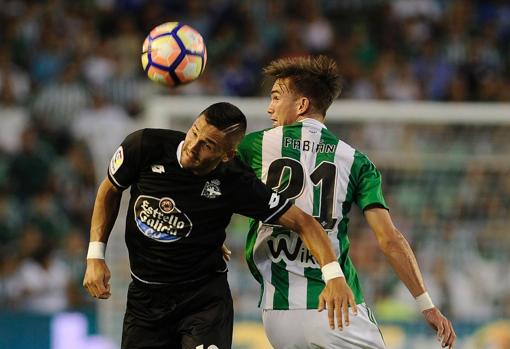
x=315, y=77
x=223, y=115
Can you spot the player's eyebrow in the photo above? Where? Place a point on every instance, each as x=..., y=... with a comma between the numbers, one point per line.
x=207, y=139
x=213, y=142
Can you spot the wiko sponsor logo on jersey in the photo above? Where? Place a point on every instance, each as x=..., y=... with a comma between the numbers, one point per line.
x=160, y=219
x=291, y=250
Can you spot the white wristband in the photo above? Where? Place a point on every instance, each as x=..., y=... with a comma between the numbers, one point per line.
x=96, y=250
x=331, y=270
x=424, y=302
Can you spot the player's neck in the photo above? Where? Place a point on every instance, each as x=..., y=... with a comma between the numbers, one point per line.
x=317, y=117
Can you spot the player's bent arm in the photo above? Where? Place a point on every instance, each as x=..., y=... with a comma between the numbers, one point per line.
x=106, y=209
x=401, y=257
x=311, y=232
x=396, y=249
x=337, y=295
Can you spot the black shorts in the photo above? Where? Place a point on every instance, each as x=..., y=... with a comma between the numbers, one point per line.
x=166, y=318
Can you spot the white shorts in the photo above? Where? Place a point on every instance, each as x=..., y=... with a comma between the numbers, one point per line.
x=308, y=328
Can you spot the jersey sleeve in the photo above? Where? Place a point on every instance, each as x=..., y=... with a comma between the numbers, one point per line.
x=125, y=163
x=253, y=199
x=249, y=149
x=368, y=191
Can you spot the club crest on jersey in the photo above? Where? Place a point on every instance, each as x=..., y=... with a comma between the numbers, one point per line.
x=160, y=219
x=158, y=168
x=211, y=189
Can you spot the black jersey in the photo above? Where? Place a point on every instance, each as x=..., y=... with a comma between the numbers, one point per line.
x=176, y=220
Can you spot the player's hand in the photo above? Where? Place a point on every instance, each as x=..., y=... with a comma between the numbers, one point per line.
x=443, y=327
x=226, y=252
x=97, y=279
x=337, y=296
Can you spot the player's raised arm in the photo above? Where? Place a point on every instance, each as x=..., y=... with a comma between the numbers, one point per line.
x=336, y=296
x=401, y=257
x=106, y=209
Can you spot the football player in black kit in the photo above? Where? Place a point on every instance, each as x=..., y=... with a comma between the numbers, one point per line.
x=184, y=190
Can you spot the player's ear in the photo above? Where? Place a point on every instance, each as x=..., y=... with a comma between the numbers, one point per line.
x=229, y=155
x=303, y=105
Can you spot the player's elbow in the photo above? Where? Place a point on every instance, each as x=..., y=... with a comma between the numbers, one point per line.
x=391, y=240
x=303, y=222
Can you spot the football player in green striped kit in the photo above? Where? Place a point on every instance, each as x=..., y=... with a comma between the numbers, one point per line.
x=324, y=177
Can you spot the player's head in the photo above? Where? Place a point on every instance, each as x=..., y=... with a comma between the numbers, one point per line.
x=303, y=87
x=213, y=138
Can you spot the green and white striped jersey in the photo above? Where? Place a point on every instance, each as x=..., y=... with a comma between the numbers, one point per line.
x=323, y=176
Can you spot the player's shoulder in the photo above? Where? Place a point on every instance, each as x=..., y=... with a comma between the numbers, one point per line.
x=361, y=156
x=253, y=136
x=342, y=148
x=250, y=143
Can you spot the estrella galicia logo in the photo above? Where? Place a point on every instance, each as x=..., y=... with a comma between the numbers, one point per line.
x=160, y=219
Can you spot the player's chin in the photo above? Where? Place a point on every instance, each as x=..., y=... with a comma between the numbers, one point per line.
x=189, y=163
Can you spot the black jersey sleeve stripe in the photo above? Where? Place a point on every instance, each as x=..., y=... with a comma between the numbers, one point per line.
x=275, y=215
x=115, y=181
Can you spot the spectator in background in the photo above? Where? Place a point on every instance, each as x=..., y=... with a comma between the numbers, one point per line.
x=74, y=180
x=8, y=265
x=400, y=85
x=34, y=158
x=99, y=65
x=46, y=46
x=10, y=218
x=42, y=281
x=46, y=214
x=56, y=106
x=123, y=89
x=72, y=253
x=14, y=82
x=103, y=126
x=466, y=35
x=318, y=31
x=433, y=71
x=235, y=78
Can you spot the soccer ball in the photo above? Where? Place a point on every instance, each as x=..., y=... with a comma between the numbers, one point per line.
x=173, y=54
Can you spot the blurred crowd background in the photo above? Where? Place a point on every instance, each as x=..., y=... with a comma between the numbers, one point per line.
x=71, y=88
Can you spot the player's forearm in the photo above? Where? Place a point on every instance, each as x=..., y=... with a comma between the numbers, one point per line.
x=106, y=209
x=402, y=259
x=317, y=241
x=397, y=250
x=311, y=233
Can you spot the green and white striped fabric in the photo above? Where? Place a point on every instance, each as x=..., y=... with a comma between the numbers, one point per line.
x=323, y=176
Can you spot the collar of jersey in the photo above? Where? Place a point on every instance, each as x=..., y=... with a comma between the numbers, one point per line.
x=313, y=122
x=179, y=148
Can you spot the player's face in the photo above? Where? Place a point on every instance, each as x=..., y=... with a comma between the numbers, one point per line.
x=205, y=147
x=284, y=106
